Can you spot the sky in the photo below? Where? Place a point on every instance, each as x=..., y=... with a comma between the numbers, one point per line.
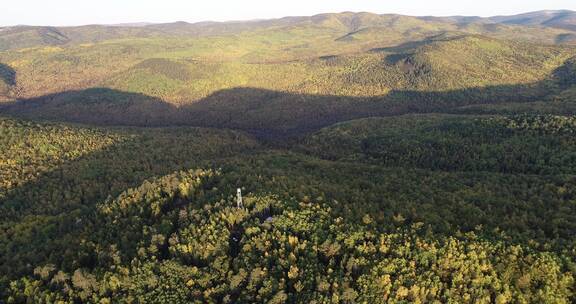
x=80, y=12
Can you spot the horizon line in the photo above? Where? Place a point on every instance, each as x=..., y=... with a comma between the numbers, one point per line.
x=148, y=23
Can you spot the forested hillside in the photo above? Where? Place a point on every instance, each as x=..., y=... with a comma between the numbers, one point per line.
x=438, y=74
x=282, y=76
x=7, y=81
x=381, y=159
x=431, y=215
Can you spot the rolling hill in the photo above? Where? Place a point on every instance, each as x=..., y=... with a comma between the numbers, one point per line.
x=94, y=214
x=345, y=23
x=211, y=56
x=439, y=73
x=556, y=19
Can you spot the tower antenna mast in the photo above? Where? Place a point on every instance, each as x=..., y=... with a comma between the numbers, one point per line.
x=239, y=204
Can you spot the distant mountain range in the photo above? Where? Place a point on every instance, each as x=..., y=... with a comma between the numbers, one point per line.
x=31, y=36
x=563, y=19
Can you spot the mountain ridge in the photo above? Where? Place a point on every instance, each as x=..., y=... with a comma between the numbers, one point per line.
x=495, y=18
x=23, y=36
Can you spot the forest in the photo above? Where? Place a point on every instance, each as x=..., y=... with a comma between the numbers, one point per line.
x=380, y=159
x=89, y=217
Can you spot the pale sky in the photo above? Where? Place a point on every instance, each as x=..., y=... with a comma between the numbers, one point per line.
x=79, y=12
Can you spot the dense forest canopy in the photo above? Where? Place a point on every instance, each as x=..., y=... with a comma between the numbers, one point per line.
x=129, y=83
x=381, y=159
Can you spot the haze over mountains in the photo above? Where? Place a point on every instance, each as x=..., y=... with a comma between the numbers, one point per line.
x=564, y=19
x=30, y=36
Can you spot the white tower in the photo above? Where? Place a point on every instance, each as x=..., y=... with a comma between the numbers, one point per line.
x=239, y=199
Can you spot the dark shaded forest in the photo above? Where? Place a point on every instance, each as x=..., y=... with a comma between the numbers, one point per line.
x=317, y=228
x=7, y=74
x=261, y=112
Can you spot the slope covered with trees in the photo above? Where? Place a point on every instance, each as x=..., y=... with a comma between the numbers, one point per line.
x=454, y=143
x=182, y=242
x=284, y=76
x=438, y=221
x=438, y=74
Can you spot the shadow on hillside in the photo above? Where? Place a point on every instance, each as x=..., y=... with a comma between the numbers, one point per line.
x=261, y=112
x=267, y=113
x=7, y=74
x=29, y=219
x=41, y=219
x=411, y=45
